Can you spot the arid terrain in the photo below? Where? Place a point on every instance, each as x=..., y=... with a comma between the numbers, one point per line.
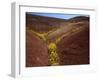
x=54, y=41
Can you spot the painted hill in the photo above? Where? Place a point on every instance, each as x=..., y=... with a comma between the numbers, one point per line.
x=70, y=36
x=41, y=23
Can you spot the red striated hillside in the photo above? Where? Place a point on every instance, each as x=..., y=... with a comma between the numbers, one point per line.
x=36, y=51
x=72, y=46
x=74, y=49
x=41, y=23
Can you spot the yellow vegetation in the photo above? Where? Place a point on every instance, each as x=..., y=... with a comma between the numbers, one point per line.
x=53, y=56
x=40, y=35
x=52, y=48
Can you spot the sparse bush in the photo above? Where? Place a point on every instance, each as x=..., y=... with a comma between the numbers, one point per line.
x=53, y=56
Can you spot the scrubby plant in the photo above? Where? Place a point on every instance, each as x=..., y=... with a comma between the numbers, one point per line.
x=52, y=48
x=53, y=56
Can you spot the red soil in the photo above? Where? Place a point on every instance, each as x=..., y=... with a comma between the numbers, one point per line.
x=74, y=49
x=36, y=51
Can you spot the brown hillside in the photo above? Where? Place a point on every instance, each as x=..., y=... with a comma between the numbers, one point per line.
x=36, y=51
x=71, y=38
x=41, y=23
x=74, y=49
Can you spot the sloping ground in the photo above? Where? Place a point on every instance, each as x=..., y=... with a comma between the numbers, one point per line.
x=41, y=23
x=78, y=19
x=74, y=49
x=71, y=37
x=36, y=51
x=66, y=30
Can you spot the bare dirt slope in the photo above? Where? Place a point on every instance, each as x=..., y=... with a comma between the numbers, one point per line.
x=72, y=47
x=36, y=51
